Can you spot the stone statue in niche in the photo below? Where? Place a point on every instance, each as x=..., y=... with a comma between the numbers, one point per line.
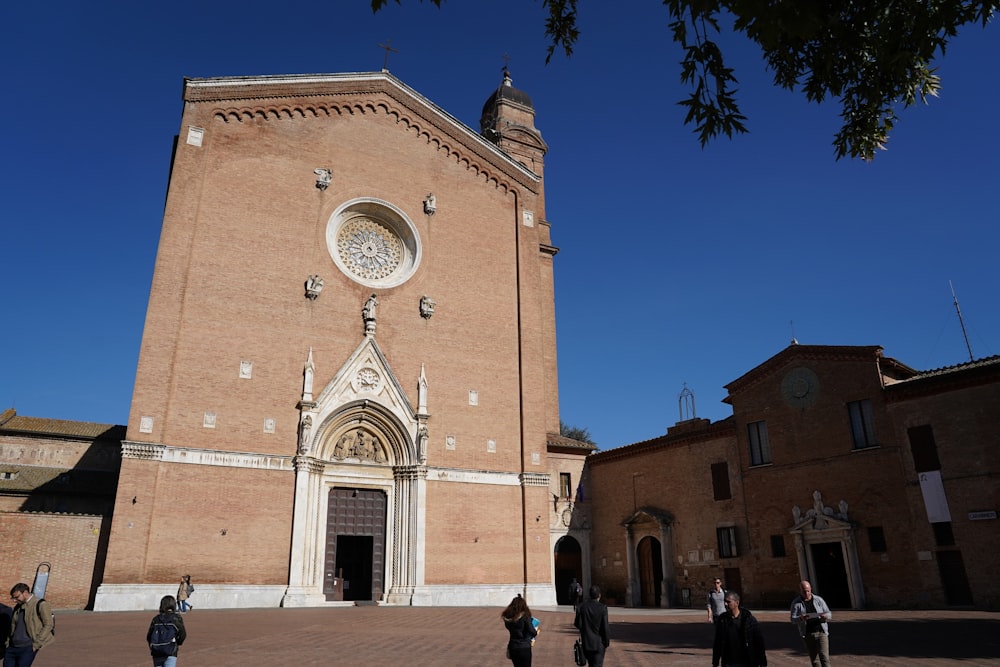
x=314, y=285
x=422, y=437
x=304, y=432
x=368, y=313
x=427, y=307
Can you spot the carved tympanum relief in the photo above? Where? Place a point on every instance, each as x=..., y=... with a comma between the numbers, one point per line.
x=360, y=444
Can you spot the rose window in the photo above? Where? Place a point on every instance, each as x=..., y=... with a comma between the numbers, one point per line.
x=368, y=249
x=373, y=242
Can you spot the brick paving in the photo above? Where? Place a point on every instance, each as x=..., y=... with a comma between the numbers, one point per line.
x=474, y=636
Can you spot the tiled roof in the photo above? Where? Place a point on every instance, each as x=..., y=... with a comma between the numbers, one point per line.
x=707, y=431
x=10, y=421
x=957, y=368
x=18, y=479
x=562, y=442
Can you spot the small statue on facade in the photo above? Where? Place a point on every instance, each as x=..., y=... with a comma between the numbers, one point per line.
x=422, y=437
x=368, y=313
x=304, y=431
x=323, y=178
x=314, y=285
x=430, y=204
x=427, y=307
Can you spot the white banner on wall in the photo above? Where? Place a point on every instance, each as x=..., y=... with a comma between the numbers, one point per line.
x=935, y=501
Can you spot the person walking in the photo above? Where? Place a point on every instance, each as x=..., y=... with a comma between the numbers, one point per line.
x=519, y=623
x=31, y=627
x=738, y=639
x=575, y=594
x=166, y=633
x=812, y=615
x=184, y=592
x=592, y=622
x=716, y=600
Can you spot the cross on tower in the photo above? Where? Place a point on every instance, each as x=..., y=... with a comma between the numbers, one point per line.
x=388, y=48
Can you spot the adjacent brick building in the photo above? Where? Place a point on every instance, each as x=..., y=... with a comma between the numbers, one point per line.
x=57, y=490
x=875, y=481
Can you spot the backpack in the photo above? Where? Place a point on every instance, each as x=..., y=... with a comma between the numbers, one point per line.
x=38, y=610
x=163, y=638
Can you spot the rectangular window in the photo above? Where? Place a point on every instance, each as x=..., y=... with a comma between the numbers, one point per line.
x=720, y=481
x=565, y=485
x=923, y=448
x=727, y=542
x=760, y=448
x=876, y=539
x=862, y=424
x=778, y=546
x=943, y=535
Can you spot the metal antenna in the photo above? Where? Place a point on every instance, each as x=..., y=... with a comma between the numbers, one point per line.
x=961, y=321
x=388, y=48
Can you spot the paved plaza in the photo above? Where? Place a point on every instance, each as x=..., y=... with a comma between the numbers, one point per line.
x=370, y=635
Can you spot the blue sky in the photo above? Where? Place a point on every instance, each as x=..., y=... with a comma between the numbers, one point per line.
x=677, y=265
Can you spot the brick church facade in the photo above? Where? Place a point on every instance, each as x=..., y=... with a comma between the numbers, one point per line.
x=347, y=380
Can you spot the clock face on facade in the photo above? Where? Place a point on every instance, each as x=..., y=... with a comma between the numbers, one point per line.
x=800, y=387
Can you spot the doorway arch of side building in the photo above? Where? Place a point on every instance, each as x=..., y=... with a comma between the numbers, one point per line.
x=359, y=509
x=568, y=566
x=650, y=552
x=827, y=553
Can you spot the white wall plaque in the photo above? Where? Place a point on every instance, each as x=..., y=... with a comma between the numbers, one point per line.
x=449, y=442
x=491, y=446
x=195, y=135
x=935, y=501
x=536, y=459
x=473, y=397
x=269, y=425
x=246, y=370
x=209, y=420
x=529, y=218
x=145, y=425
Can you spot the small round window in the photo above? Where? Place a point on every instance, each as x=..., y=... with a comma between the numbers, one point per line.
x=373, y=243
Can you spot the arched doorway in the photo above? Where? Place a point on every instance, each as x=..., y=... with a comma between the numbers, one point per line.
x=568, y=558
x=650, y=561
x=355, y=545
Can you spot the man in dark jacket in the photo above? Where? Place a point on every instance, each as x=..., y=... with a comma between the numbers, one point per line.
x=738, y=639
x=592, y=622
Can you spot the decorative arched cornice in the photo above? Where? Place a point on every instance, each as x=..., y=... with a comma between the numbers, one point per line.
x=240, y=100
x=662, y=517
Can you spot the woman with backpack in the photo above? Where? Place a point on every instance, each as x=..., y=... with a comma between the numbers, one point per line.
x=166, y=633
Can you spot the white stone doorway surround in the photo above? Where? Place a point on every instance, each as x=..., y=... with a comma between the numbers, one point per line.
x=823, y=525
x=388, y=466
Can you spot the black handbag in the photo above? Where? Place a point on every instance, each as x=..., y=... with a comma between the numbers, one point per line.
x=578, y=657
